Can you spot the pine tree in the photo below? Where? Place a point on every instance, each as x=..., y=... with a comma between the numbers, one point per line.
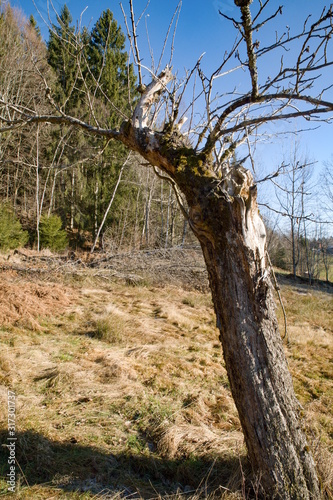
x=33, y=25
x=108, y=62
x=11, y=233
x=51, y=233
x=61, y=51
x=110, y=78
x=105, y=74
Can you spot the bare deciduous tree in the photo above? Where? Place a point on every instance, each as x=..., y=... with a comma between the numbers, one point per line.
x=328, y=188
x=219, y=196
x=291, y=193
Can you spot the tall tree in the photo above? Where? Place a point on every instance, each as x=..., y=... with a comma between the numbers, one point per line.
x=34, y=26
x=22, y=52
x=112, y=76
x=291, y=193
x=61, y=51
x=223, y=214
x=110, y=79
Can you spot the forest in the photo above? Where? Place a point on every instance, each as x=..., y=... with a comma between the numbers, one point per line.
x=61, y=190
x=58, y=184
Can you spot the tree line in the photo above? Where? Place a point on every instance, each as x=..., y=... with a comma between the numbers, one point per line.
x=61, y=188
x=300, y=225
x=51, y=176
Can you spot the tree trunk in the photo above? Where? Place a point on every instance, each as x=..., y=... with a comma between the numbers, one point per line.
x=232, y=237
x=166, y=242
x=38, y=208
x=223, y=214
x=96, y=205
x=135, y=232
x=162, y=215
x=122, y=236
x=72, y=200
x=149, y=197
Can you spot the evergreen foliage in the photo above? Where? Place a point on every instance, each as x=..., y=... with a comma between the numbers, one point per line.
x=33, y=25
x=11, y=232
x=113, y=78
x=52, y=235
x=60, y=52
x=106, y=77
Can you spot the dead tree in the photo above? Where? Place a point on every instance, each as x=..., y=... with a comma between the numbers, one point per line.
x=219, y=195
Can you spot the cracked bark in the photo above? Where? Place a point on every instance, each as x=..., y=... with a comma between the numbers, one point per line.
x=223, y=214
x=257, y=369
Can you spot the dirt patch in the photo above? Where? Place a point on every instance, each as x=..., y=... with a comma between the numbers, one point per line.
x=24, y=303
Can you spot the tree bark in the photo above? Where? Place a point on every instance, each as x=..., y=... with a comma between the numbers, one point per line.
x=232, y=237
x=72, y=200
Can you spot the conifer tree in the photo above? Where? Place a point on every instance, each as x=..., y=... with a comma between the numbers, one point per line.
x=104, y=75
x=60, y=51
x=112, y=80
x=109, y=67
x=52, y=234
x=33, y=25
x=11, y=232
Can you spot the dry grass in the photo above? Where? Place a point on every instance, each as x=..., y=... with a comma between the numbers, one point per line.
x=22, y=303
x=122, y=390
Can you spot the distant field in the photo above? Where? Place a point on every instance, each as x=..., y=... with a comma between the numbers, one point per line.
x=120, y=384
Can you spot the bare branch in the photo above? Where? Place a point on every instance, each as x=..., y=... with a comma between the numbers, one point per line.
x=177, y=11
x=174, y=34
x=309, y=218
x=149, y=46
x=247, y=35
x=135, y=42
x=273, y=16
x=151, y=94
x=57, y=120
x=142, y=13
x=319, y=107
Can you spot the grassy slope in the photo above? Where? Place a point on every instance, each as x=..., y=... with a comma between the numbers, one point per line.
x=122, y=389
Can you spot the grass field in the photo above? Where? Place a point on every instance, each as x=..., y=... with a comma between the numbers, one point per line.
x=121, y=390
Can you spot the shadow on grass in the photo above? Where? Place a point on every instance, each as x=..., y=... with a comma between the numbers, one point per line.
x=301, y=281
x=73, y=467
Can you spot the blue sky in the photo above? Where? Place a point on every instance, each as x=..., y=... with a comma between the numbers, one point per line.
x=202, y=30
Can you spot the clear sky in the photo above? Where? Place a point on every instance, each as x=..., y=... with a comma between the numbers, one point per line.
x=202, y=30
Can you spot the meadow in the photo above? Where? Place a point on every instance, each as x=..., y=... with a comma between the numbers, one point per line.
x=120, y=386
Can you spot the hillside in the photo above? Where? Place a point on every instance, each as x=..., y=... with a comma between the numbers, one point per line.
x=120, y=385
